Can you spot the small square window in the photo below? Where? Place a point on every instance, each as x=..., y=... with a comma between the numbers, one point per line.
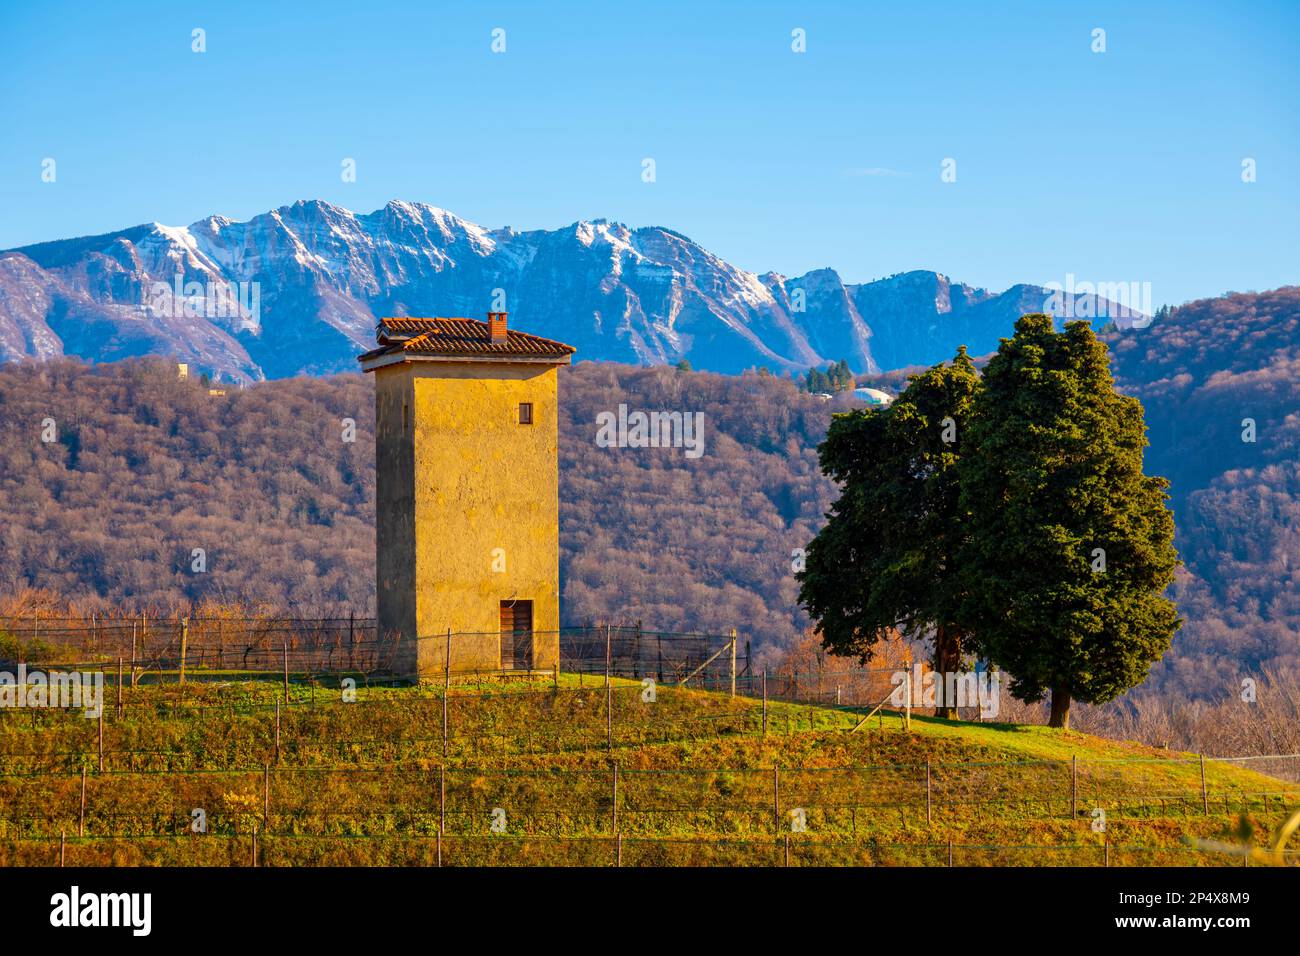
x=525, y=413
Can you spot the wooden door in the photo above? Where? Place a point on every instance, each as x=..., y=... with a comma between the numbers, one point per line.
x=516, y=635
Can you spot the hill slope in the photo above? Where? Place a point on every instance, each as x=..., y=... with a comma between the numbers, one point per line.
x=527, y=776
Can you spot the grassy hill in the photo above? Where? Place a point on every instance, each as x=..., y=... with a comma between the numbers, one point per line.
x=689, y=778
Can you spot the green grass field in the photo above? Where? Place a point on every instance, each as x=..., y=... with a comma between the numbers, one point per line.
x=534, y=773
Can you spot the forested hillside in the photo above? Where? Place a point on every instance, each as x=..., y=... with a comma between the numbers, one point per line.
x=1204, y=375
x=145, y=468
x=685, y=543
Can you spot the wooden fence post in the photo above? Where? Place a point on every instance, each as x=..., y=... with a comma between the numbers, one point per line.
x=614, y=805
x=733, y=662
x=618, y=849
x=440, y=848
x=609, y=651
x=63, y=837
x=1205, y=794
x=133, y=658
x=101, y=738
x=446, y=690
x=787, y=849
x=928, y=817
x=286, y=671
x=277, y=730
x=185, y=640
x=81, y=819
x=266, y=797
x=776, y=799
x=352, y=640
x=950, y=851
x=764, y=701
x=442, y=800
x=609, y=713
x=255, y=846
x=907, y=701
x=1074, y=786
x=636, y=652
x=119, y=686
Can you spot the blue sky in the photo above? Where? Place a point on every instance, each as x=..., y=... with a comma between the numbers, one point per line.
x=1115, y=166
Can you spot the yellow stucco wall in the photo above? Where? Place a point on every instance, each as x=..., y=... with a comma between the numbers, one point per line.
x=477, y=481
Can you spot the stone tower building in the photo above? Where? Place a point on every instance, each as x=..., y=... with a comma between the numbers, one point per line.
x=467, y=494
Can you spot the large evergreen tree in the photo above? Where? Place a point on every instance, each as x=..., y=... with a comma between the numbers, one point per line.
x=1070, y=547
x=886, y=557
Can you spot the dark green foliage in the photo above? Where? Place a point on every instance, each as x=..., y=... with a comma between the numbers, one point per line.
x=1053, y=471
x=13, y=648
x=837, y=377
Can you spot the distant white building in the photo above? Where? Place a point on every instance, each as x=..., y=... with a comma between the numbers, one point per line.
x=873, y=396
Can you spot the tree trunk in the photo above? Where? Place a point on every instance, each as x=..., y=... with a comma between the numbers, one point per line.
x=947, y=660
x=1060, y=708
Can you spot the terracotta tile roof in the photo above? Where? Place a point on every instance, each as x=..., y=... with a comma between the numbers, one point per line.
x=458, y=337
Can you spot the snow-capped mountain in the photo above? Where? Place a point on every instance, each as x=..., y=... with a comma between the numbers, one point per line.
x=299, y=290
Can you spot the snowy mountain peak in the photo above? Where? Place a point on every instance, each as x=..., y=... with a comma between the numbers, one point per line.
x=314, y=278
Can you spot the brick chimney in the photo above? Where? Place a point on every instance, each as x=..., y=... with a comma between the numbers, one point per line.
x=497, y=326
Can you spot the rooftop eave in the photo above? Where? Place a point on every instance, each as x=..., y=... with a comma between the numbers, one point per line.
x=474, y=358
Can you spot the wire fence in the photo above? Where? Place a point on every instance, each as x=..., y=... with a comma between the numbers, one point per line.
x=488, y=770
x=228, y=648
x=484, y=817
x=296, y=773
x=841, y=801
x=1284, y=766
x=324, y=652
x=161, y=725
